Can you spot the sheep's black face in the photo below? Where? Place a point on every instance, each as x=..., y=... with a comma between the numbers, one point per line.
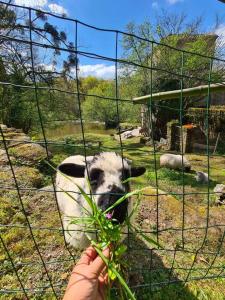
x=108, y=187
x=109, y=183
x=187, y=169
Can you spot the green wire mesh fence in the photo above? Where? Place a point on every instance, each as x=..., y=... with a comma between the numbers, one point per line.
x=177, y=211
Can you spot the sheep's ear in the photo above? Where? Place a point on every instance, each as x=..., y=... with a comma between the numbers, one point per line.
x=72, y=170
x=135, y=172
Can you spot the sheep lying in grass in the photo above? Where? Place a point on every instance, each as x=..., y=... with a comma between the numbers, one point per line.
x=106, y=172
x=202, y=177
x=175, y=161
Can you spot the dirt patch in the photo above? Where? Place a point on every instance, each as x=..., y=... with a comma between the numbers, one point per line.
x=166, y=212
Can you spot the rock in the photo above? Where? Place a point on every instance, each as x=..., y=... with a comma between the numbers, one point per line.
x=19, y=139
x=162, y=144
x=26, y=177
x=19, y=130
x=123, y=129
x=219, y=189
x=3, y=158
x=129, y=134
x=13, y=138
x=220, y=194
x=13, y=129
x=48, y=188
x=20, y=148
x=29, y=154
x=16, y=138
x=163, y=141
x=3, y=127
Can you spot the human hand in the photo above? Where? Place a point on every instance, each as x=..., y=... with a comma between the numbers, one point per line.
x=88, y=280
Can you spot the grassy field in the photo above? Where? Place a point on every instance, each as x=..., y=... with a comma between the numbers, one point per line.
x=161, y=216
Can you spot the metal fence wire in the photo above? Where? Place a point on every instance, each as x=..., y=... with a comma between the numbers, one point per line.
x=177, y=211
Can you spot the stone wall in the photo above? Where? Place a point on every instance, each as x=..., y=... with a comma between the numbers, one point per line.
x=24, y=156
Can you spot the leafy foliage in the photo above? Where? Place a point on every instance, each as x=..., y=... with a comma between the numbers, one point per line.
x=102, y=106
x=17, y=104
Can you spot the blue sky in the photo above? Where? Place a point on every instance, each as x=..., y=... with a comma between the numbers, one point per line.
x=115, y=15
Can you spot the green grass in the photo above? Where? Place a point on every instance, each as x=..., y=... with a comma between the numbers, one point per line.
x=42, y=212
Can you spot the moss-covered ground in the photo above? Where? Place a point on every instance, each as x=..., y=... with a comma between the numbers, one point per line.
x=159, y=216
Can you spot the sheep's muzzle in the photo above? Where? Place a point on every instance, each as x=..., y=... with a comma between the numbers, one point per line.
x=106, y=200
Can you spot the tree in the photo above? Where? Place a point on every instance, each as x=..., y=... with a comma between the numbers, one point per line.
x=105, y=110
x=88, y=83
x=18, y=105
x=164, y=64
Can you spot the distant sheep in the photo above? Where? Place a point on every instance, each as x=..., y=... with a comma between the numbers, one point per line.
x=106, y=172
x=202, y=177
x=175, y=161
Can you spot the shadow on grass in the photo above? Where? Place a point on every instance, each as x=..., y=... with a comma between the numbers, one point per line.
x=149, y=278
x=133, y=145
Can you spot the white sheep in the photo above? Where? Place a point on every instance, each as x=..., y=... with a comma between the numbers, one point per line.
x=175, y=161
x=202, y=177
x=106, y=172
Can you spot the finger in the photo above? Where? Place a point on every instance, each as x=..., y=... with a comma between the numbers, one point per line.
x=88, y=256
x=98, y=264
x=104, y=271
x=103, y=274
x=103, y=279
x=106, y=278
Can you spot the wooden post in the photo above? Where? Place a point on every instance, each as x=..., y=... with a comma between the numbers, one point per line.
x=217, y=140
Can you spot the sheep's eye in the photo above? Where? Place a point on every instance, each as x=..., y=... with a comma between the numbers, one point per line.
x=95, y=176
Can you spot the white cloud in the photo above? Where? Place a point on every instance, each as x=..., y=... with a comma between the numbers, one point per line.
x=31, y=3
x=98, y=70
x=171, y=2
x=57, y=9
x=155, y=4
x=47, y=67
x=220, y=31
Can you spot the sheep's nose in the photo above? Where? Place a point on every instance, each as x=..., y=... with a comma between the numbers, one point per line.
x=120, y=211
x=108, y=199
x=115, y=194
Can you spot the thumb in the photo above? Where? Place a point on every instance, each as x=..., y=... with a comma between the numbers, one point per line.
x=98, y=264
